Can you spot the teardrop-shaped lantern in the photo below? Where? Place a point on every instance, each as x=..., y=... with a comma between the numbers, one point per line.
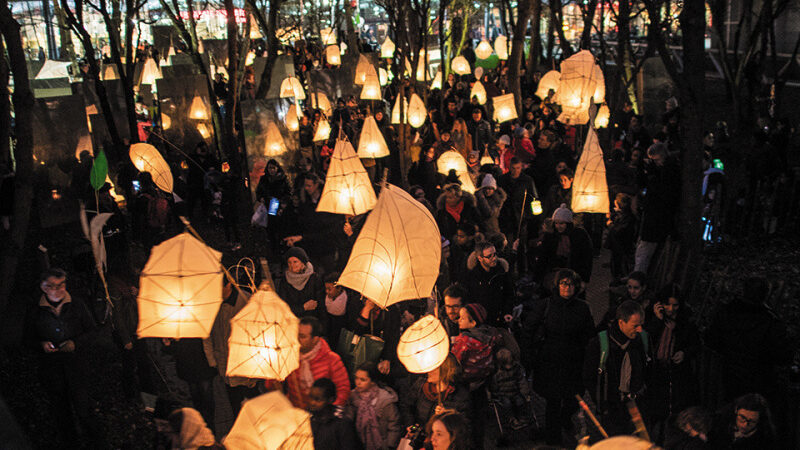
x=478, y=91
x=483, y=50
x=291, y=120
x=501, y=47
x=416, y=111
x=460, y=65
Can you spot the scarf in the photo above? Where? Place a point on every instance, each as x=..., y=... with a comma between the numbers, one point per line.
x=625, y=369
x=367, y=419
x=455, y=211
x=563, y=247
x=55, y=308
x=299, y=280
x=306, y=375
x=666, y=345
x=336, y=306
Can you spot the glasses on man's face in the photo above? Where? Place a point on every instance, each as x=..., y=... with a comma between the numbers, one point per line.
x=566, y=283
x=452, y=307
x=54, y=286
x=490, y=255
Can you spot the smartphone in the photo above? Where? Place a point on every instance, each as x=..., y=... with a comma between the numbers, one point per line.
x=274, y=204
x=136, y=186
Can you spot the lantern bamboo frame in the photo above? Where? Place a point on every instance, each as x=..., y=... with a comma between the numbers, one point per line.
x=590, y=188
x=147, y=158
x=424, y=346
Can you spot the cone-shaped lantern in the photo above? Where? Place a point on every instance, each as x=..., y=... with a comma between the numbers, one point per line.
x=504, y=108
x=347, y=187
x=424, y=346
x=451, y=160
x=501, y=47
x=361, y=70
x=383, y=76
x=273, y=144
x=486, y=158
x=110, y=72
x=483, y=50
x=166, y=122
x=437, y=81
x=263, y=341
x=270, y=422
x=549, y=81
x=577, y=86
x=387, y=48
x=323, y=130
x=150, y=72
x=372, y=86
x=396, y=110
x=200, y=47
x=291, y=120
x=478, y=91
x=397, y=254
x=180, y=289
x=460, y=65
x=416, y=111
x=171, y=51
x=328, y=36
x=589, y=189
x=255, y=32
x=251, y=58
x=332, y=55
x=320, y=101
x=198, y=110
x=204, y=130
x=603, y=116
x=371, y=143
x=147, y=158
x=291, y=87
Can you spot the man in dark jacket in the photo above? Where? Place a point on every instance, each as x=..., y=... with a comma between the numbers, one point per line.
x=454, y=297
x=489, y=284
x=619, y=378
x=331, y=429
x=480, y=130
x=747, y=425
x=516, y=211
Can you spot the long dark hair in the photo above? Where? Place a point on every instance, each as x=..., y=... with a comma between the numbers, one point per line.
x=456, y=426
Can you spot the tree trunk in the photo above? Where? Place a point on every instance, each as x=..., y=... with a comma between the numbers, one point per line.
x=588, y=21
x=268, y=28
x=231, y=103
x=126, y=72
x=536, y=38
x=5, y=111
x=517, y=51
x=558, y=19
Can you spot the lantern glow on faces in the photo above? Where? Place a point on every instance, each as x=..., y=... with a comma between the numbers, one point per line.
x=501, y=47
x=198, y=109
x=332, y=55
x=478, y=91
x=347, y=187
x=323, y=130
x=590, y=189
x=273, y=143
x=291, y=87
x=147, y=158
x=548, y=82
x=291, y=121
x=180, y=289
x=460, y=65
x=504, y=108
x=424, y=346
x=270, y=422
x=387, y=48
x=483, y=50
x=416, y=111
x=371, y=143
x=372, y=86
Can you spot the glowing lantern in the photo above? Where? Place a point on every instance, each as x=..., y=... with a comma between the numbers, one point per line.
x=320, y=101
x=171, y=51
x=110, y=72
x=416, y=111
x=408, y=66
x=344, y=48
x=204, y=130
x=371, y=143
x=291, y=120
x=255, y=32
x=180, y=289
x=328, y=36
x=263, y=341
x=483, y=50
x=422, y=65
x=599, y=95
x=332, y=55
x=460, y=65
x=536, y=207
x=424, y=346
x=150, y=72
x=270, y=422
x=548, y=82
x=383, y=76
x=603, y=116
x=396, y=110
x=347, y=187
x=501, y=47
x=466, y=183
x=166, y=122
x=577, y=86
x=504, y=108
x=396, y=256
x=163, y=62
x=200, y=48
x=291, y=87
x=372, y=86
x=387, y=48
x=273, y=144
x=437, y=81
x=323, y=130
x=361, y=70
x=147, y=158
x=251, y=58
x=589, y=189
x=198, y=109
x=478, y=91
x=451, y=160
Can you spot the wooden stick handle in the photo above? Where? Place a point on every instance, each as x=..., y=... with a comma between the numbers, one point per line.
x=585, y=407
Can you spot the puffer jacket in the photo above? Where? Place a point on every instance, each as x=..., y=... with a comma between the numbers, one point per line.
x=447, y=223
x=388, y=415
x=326, y=364
x=489, y=208
x=474, y=349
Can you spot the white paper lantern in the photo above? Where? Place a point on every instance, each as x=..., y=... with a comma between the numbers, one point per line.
x=451, y=160
x=424, y=346
x=371, y=143
x=383, y=76
x=460, y=65
x=501, y=47
x=603, y=116
x=578, y=84
x=328, y=36
x=291, y=87
x=437, y=81
x=150, y=72
x=387, y=48
x=147, y=158
x=270, y=422
x=198, y=110
x=251, y=58
x=478, y=91
x=291, y=120
x=362, y=68
x=599, y=95
x=504, y=108
x=332, y=55
x=273, y=143
x=590, y=189
x=204, y=130
x=372, y=86
x=323, y=130
x=396, y=111
x=320, y=101
x=347, y=189
x=549, y=82
x=110, y=72
x=416, y=111
x=483, y=50
x=166, y=122
x=255, y=32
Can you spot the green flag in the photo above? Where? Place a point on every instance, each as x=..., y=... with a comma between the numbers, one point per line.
x=97, y=177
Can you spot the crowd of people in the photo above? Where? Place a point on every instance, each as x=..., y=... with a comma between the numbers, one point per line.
x=512, y=283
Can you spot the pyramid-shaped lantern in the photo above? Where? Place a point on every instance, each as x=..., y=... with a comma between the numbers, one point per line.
x=263, y=341
x=416, y=111
x=291, y=120
x=460, y=65
x=437, y=80
x=198, y=110
x=332, y=55
x=483, y=50
x=387, y=48
x=362, y=69
x=180, y=289
x=589, y=189
x=371, y=143
x=320, y=101
x=347, y=187
x=270, y=422
x=478, y=91
x=323, y=130
x=501, y=47
x=548, y=82
x=150, y=72
x=273, y=143
x=110, y=72
x=147, y=158
x=504, y=108
x=397, y=254
x=372, y=85
x=578, y=84
x=291, y=87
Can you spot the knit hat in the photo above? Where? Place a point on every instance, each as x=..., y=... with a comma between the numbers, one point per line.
x=489, y=181
x=298, y=253
x=562, y=214
x=505, y=139
x=477, y=312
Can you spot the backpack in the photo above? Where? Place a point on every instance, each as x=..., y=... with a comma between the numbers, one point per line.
x=479, y=364
x=601, y=366
x=157, y=211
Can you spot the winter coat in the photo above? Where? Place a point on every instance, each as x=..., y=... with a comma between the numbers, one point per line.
x=510, y=382
x=604, y=387
x=622, y=232
x=216, y=345
x=191, y=363
x=481, y=133
x=333, y=431
x=660, y=202
x=555, y=197
x=474, y=349
x=274, y=186
x=417, y=408
x=523, y=149
x=326, y=364
x=424, y=174
x=517, y=190
x=492, y=289
x=489, y=208
x=447, y=223
x=72, y=323
x=313, y=290
x=580, y=257
x=388, y=415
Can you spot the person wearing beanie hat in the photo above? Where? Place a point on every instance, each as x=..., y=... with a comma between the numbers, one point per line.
x=505, y=140
x=564, y=246
x=562, y=215
x=475, y=316
x=489, y=181
x=301, y=287
x=490, y=199
x=297, y=252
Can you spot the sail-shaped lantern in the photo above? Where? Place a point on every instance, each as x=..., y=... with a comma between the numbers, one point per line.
x=273, y=143
x=371, y=143
x=548, y=82
x=437, y=80
x=478, y=91
x=504, y=108
x=291, y=120
x=347, y=187
x=396, y=111
x=291, y=87
x=180, y=289
x=147, y=158
x=362, y=70
x=320, y=101
x=270, y=422
x=323, y=130
x=590, y=189
x=397, y=254
x=578, y=84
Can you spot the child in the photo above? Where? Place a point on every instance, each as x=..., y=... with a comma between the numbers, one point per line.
x=509, y=387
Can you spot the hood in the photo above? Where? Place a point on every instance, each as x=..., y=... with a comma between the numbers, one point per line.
x=469, y=200
x=482, y=332
x=386, y=396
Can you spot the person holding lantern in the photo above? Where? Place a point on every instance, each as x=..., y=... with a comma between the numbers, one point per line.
x=516, y=211
x=433, y=393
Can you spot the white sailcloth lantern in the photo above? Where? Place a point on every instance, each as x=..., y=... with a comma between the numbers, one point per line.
x=396, y=111
x=460, y=65
x=371, y=143
x=603, y=116
x=387, y=48
x=504, y=108
x=270, y=422
x=150, y=72
x=548, y=82
x=323, y=130
x=451, y=160
x=599, y=95
x=328, y=36
x=273, y=144
x=110, y=72
x=320, y=101
x=478, y=91
x=372, y=86
x=437, y=81
x=291, y=120
x=577, y=86
x=501, y=47
x=589, y=189
x=291, y=87
x=383, y=76
x=147, y=158
x=416, y=111
x=332, y=55
x=362, y=70
x=347, y=187
x=198, y=110
x=483, y=50
x=397, y=254
x=424, y=346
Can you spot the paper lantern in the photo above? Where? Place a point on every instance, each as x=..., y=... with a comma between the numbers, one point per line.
x=371, y=143
x=263, y=341
x=348, y=189
x=486, y=159
x=328, y=36
x=291, y=121
x=150, y=72
x=396, y=111
x=407, y=64
x=110, y=72
x=204, y=130
x=383, y=76
x=291, y=87
x=166, y=122
x=589, y=189
x=198, y=110
x=478, y=91
x=180, y=289
x=372, y=86
x=343, y=48
x=504, y=108
x=332, y=55
x=320, y=101
x=466, y=183
x=603, y=116
x=270, y=422
x=501, y=47
x=361, y=70
x=323, y=130
x=451, y=160
x=163, y=62
x=273, y=144
x=577, y=86
x=171, y=51
x=422, y=67
x=536, y=207
x=397, y=254
x=416, y=111
x=483, y=50
x=599, y=95
x=437, y=81
x=622, y=443
x=387, y=48
x=460, y=65
x=424, y=346
x=548, y=82
x=255, y=32
x=200, y=47
x=251, y=58
x=147, y=158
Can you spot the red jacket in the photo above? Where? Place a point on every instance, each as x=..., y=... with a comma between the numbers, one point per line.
x=327, y=364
